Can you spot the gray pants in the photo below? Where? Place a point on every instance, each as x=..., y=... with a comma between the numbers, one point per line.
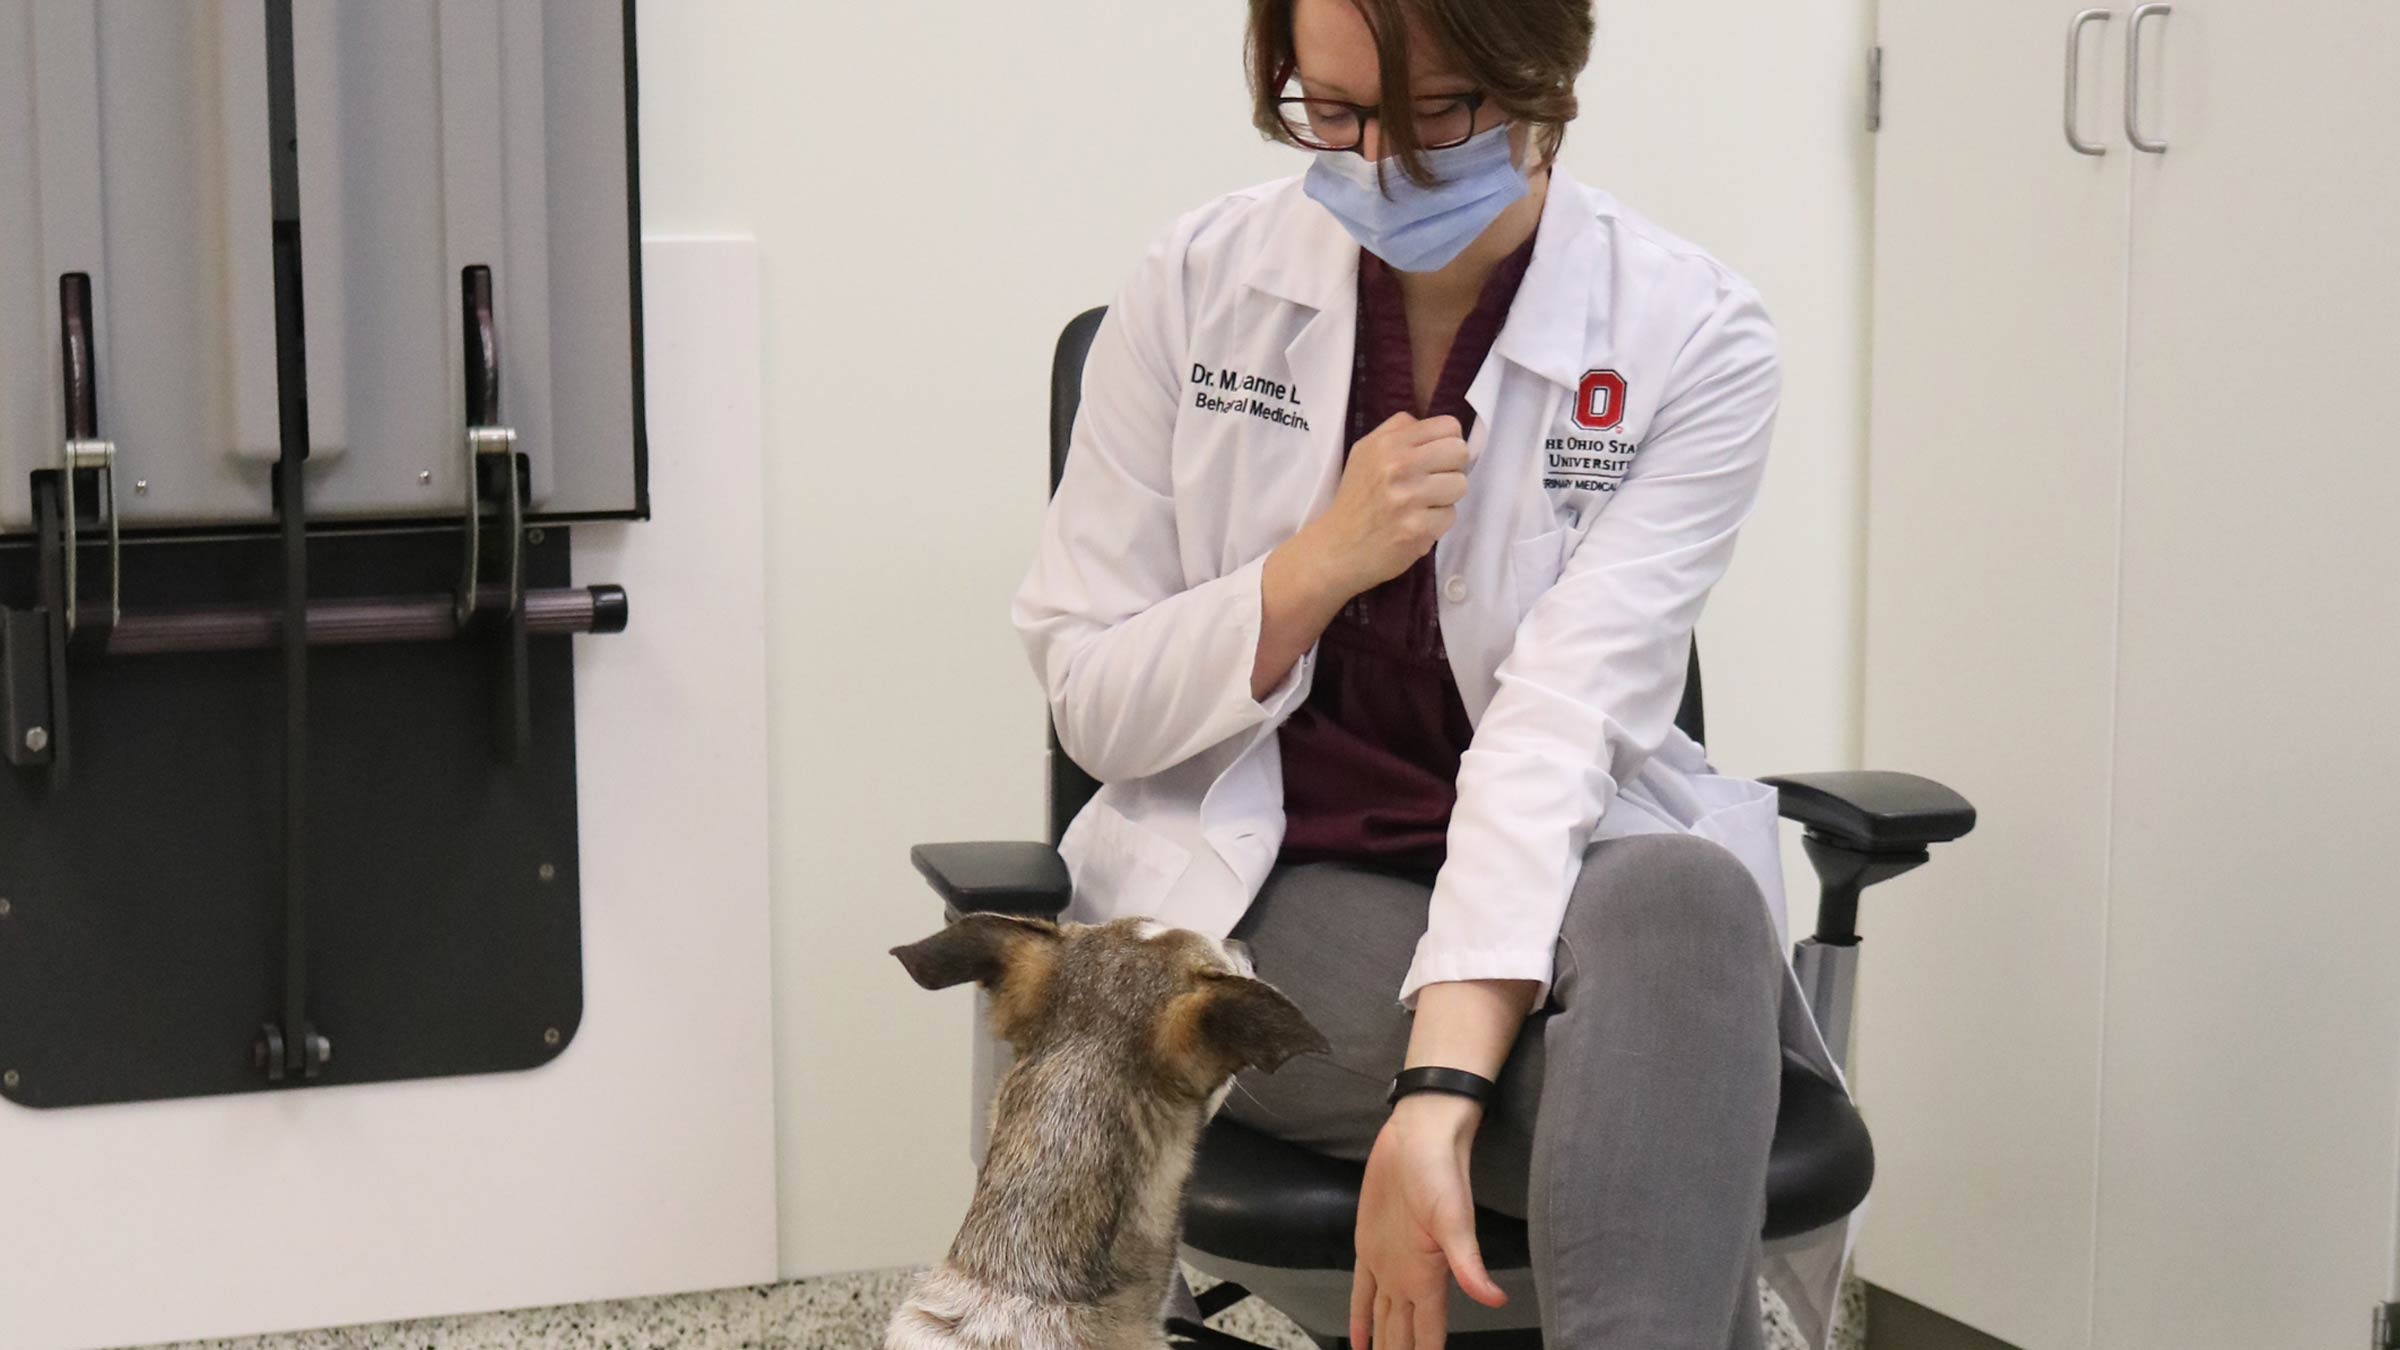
x=1635, y=1111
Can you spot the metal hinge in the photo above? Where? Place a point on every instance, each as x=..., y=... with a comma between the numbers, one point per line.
x=2387, y=1328
x=1874, y=89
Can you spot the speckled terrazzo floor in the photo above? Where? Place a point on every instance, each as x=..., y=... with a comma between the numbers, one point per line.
x=837, y=1313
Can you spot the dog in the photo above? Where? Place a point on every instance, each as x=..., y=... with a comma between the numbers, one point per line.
x=1128, y=1035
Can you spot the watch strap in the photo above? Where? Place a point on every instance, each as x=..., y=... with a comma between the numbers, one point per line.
x=1458, y=1082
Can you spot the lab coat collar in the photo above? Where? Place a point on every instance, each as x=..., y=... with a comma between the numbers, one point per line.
x=1304, y=255
x=1550, y=324
x=1307, y=258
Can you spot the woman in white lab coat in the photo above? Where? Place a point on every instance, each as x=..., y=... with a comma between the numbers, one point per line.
x=1367, y=594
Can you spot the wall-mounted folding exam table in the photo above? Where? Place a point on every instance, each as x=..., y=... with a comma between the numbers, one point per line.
x=326, y=463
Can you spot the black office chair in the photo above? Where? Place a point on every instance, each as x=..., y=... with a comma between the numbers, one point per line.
x=1277, y=1219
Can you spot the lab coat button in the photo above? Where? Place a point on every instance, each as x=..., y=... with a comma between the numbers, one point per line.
x=1455, y=590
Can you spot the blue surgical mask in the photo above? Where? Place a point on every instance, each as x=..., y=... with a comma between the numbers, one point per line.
x=1417, y=228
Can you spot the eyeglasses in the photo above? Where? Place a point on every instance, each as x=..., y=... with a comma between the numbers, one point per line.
x=1330, y=124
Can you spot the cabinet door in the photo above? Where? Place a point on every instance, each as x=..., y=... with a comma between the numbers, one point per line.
x=1991, y=610
x=2250, y=1078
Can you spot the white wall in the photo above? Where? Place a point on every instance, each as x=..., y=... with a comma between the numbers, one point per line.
x=936, y=187
x=1741, y=124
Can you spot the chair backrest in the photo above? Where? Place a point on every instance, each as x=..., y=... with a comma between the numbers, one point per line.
x=1070, y=786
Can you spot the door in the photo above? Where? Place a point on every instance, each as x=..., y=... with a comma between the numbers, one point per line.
x=1991, y=609
x=2250, y=1084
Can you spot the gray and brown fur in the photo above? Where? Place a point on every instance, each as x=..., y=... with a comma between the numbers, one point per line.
x=1127, y=1036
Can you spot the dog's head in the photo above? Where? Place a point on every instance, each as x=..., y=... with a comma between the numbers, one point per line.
x=1181, y=1007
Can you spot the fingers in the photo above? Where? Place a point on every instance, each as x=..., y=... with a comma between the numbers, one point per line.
x=1429, y=508
x=1435, y=429
x=1406, y=463
x=1432, y=1322
x=1445, y=455
x=1393, y=1326
x=1407, y=485
x=1403, y=431
x=1400, y=490
x=1457, y=1237
x=1362, y=1306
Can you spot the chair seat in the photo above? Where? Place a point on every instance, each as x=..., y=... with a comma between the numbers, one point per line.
x=1261, y=1201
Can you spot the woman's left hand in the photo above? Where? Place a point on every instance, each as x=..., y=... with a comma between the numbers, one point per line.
x=1416, y=1227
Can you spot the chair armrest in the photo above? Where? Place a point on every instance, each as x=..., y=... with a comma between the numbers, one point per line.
x=1027, y=880
x=1875, y=811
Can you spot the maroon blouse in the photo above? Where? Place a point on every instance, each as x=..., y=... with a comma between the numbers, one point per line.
x=1370, y=760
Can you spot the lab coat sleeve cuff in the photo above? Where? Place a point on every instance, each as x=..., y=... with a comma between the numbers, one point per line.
x=1487, y=963
x=1286, y=695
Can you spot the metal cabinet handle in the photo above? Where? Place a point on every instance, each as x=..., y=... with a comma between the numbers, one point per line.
x=2133, y=79
x=2075, y=29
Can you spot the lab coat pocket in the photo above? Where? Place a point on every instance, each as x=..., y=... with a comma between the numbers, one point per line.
x=1535, y=565
x=1119, y=867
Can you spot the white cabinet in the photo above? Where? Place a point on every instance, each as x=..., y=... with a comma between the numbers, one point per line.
x=2132, y=1052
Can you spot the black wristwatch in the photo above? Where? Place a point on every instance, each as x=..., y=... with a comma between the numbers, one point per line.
x=1455, y=1081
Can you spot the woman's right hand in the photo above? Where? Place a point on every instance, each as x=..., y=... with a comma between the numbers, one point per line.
x=1416, y=1227
x=1399, y=494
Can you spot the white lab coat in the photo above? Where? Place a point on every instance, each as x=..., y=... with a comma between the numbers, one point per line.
x=1621, y=432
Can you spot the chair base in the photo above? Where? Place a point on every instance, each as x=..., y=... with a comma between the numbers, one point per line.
x=1318, y=1302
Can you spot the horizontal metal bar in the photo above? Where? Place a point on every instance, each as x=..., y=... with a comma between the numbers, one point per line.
x=337, y=623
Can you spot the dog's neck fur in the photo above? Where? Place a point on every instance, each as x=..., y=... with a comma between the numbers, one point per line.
x=1081, y=1193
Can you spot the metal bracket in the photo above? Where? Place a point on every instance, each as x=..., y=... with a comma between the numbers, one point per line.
x=491, y=445
x=267, y=1053
x=491, y=472
x=84, y=452
x=38, y=646
x=495, y=475
x=98, y=458
x=25, y=715
x=33, y=643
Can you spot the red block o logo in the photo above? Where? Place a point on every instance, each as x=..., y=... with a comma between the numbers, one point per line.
x=1600, y=401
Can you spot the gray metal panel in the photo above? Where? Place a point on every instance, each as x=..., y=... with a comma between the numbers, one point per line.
x=380, y=328
x=126, y=152
x=435, y=134
x=28, y=404
x=466, y=132
x=594, y=377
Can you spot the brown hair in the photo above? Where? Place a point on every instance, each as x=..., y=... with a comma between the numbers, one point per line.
x=1524, y=54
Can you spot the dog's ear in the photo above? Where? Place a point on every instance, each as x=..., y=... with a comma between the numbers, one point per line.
x=1251, y=1021
x=993, y=950
x=1233, y=1022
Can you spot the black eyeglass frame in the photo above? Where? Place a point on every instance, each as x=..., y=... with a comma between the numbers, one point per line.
x=1474, y=99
